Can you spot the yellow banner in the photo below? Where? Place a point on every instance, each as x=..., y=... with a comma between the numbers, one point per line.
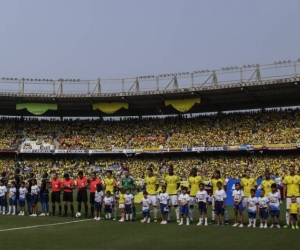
x=36, y=108
x=183, y=105
x=258, y=146
x=110, y=108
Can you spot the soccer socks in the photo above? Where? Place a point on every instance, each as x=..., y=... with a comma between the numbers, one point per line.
x=177, y=213
x=72, y=209
x=3, y=210
x=115, y=212
x=169, y=214
x=226, y=214
x=86, y=210
x=92, y=211
x=66, y=210
x=9, y=209
x=14, y=210
x=192, y=213
x=287, y=218
x=79, y=208
x=254, y=221
x=212, y=214
x=59, y=210
x=53, y=210
x=205, y=219
x=130, y=217
x=109, y=216
x=134, y=211
x=127, y=216
x=155, y=212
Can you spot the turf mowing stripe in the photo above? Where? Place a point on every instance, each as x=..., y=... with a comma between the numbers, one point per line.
x=45, y=225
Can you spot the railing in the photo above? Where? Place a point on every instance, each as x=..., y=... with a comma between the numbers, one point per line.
x=165, y=82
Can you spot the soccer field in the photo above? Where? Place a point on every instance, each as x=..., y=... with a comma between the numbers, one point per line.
x=73, y=233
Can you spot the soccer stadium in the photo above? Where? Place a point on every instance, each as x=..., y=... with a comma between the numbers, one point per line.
x=183, y=159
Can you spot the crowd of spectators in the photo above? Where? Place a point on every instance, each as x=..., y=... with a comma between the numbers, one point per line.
x=230, y=164
x=222, y=129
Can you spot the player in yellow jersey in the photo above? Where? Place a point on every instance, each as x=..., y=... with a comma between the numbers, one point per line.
x=173, y=182
x=194, y=181
x=291, y=185
x=214, y=186
x=110, y=185
x=266, y=183
x=293, y=212
x=248, y=183
x=151, y=187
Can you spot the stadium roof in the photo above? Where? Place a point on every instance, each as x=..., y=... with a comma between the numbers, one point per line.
x=229, y=89
x=216, y=98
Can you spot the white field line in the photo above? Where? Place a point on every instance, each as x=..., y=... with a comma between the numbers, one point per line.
x=48, y=225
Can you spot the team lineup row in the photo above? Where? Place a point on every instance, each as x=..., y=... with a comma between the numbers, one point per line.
x=243, y=197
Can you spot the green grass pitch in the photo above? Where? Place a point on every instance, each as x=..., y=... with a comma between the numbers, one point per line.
x=90, y=234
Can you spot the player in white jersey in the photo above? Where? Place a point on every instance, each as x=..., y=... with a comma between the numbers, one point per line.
x=237, y=198
x=263, y=205
x=146, y=202
x=34, y=197
x=274, y=198
x=220, y=204
x=184, y=199
x=252, y=208
x=108, y=201
x=202, y=201
x=22, y=197
x=3, y=191
x=98, y=202
x=12, y=199
x=128, y=201
x=164, y=200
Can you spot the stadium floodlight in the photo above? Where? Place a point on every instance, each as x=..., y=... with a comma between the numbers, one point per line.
x=187, y=73
x=3, y=78
x=51, y=80
x=298, y=60
x=227, y=68
x=27, y=79
x=35, y=79
x=16, y=78
x=249, y=66
x=39, y=80
x=245, y=66
x=11, y=78
x=78, y=80
x=284, y=62
x=223, y=69
x=279, y=62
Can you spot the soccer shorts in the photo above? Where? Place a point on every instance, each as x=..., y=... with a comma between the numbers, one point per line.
x=289, y=201
x=153, y=199
x=97, y=206
x=192, y=200
x=121, y=206
x=92, y=198
x=163, y=209
x=174, y=200
x=294, y=216
x=34, y=198
x=252, y=215
x=13, y=201
x=146, y=213
x=44, y=197
x=184, y=210
x=239, y=207
x=21, y=202
x=245, y=202
x=55, y=197
x=128, y=209
x=202, y=207
x=107, y=209
x=263, y=214
x=275, y=213
x=82, y=196
x=68, y=196
x=219, y=208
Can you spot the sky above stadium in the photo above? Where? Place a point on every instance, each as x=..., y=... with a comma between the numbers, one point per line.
x=115, y=39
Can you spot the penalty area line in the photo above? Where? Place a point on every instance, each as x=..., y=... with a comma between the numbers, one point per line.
x=44, y=225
